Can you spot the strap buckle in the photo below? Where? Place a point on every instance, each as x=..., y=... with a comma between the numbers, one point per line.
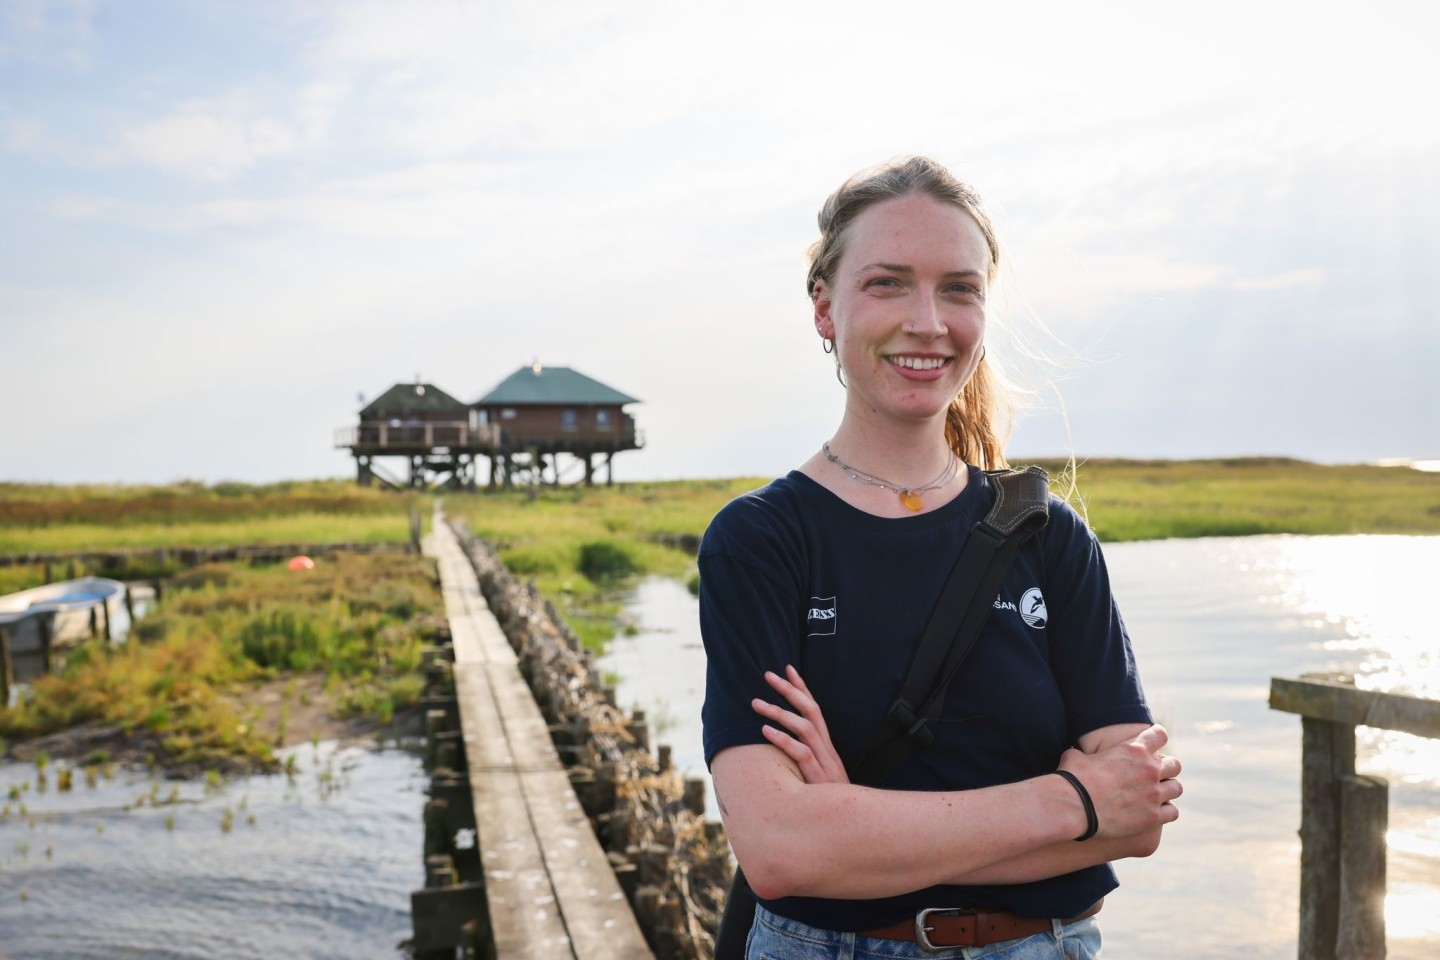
x=922, y=929
x=902, y=714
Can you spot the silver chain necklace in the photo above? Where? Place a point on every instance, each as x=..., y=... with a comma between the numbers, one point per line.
x=909, y=496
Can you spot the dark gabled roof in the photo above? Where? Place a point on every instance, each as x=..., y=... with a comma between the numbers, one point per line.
x=537, y=385
x=413, y=397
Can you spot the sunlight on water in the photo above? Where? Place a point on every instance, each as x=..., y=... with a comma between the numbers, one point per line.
x=1412, y=913
x=1212, y=622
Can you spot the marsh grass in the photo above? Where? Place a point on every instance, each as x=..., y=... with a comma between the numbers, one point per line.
x=58, y=519
x=1149, y=500
x=580, y=544
x=360, y=619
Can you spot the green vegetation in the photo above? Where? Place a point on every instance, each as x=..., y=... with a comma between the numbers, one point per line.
x=1156, y=499
x=182, y=678
x=56, y=519
x=577, y=544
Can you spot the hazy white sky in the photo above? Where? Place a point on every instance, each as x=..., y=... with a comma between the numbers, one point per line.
x=221, y=221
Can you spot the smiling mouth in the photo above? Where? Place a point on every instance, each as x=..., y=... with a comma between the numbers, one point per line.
x=918, y=363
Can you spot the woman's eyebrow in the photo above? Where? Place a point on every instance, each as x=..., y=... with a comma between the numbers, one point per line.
x=904, y=268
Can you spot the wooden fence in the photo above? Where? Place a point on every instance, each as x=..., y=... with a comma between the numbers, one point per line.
x=1343, y=815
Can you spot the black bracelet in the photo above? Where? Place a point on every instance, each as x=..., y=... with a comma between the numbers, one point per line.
x=1092, y=822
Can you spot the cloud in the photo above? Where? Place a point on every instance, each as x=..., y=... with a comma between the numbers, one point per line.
x=54, y=33
x=208, y=140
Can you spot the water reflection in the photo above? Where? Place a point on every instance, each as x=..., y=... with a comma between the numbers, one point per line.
x=1212, y=621
x=320, y=864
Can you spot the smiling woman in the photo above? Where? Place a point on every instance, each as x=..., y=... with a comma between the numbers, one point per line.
x=814, y=596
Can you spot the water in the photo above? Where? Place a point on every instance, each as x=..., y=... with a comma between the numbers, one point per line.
x=1212, y=621
x=122, y=869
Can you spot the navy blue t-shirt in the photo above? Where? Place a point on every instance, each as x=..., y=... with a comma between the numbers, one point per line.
x=792, y=574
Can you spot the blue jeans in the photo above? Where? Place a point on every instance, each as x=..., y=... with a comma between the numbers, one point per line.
x=780, y=938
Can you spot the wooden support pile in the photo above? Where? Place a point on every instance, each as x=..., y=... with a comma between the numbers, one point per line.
x=451, y=910
x=1344, y=815
x=673, y=865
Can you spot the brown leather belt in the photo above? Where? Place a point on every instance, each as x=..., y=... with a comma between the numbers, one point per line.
x=940, y=928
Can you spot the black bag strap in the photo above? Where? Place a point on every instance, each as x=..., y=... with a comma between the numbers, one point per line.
x=1021, y=509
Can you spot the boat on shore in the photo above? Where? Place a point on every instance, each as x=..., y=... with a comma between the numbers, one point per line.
x=77, y=609
x=38, y=623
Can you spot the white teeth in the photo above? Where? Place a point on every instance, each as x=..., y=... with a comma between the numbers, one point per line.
x=918, y=363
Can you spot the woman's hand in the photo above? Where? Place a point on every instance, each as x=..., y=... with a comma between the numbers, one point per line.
x=808, y=741
x=1133, y=785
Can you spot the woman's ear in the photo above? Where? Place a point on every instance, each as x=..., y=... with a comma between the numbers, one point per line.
x=824, y=324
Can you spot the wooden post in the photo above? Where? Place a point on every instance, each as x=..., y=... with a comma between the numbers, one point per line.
x=45, y=623
x=1328, y=754
x=1364, y=818
x=105, y=617
x=6, y=674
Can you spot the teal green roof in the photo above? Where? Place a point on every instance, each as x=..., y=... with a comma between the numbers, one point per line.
x=412, y=397
x=539, y=384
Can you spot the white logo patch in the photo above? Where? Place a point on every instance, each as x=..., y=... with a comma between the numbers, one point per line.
x=1032, y=609
x=820, y=622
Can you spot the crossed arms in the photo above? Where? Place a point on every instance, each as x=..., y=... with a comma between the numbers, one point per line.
x=800, y=828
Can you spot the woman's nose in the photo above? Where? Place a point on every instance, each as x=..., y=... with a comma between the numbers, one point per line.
x=924, y=321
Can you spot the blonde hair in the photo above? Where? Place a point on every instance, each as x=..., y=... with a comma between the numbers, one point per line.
x=977, y=420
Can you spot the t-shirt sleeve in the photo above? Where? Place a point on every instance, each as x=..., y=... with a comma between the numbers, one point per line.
x=1089, y=645
x=749, y=620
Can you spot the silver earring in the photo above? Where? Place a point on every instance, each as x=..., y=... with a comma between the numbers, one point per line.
x=828, y=345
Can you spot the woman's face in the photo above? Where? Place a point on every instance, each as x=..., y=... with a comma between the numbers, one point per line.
x=906, y=307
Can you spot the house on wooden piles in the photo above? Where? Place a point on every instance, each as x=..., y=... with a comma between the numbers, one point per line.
x=437, y=436
x=542, y=413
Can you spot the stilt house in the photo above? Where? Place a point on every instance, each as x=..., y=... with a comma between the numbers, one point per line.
x=542, y=412
x=437, y=435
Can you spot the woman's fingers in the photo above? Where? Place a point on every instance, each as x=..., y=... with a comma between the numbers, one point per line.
x=804, y=725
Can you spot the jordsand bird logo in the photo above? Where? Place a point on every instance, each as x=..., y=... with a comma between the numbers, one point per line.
x=1032, y=608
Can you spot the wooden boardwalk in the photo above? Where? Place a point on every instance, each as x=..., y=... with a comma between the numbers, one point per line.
x=550, y=888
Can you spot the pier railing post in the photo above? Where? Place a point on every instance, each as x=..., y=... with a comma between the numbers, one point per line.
x=1364, y=816
x=1328, y=755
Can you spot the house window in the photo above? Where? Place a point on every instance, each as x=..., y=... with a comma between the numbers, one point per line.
x=602, y=419
x=507, y=413
x=568, y=420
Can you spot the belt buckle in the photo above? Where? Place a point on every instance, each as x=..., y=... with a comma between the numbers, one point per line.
x=922, y=932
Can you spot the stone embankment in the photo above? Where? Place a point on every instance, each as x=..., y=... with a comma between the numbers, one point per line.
x=673, y=865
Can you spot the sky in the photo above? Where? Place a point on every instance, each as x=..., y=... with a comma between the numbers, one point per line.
x=223, y=223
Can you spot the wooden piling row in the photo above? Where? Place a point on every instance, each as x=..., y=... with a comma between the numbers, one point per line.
x=672, y=865
x=451, y=911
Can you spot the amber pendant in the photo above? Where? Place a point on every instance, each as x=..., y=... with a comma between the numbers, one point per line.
x=911, y=500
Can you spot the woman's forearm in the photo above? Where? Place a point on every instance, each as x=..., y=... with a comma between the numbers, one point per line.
x=1060, y=858
x=851, y=842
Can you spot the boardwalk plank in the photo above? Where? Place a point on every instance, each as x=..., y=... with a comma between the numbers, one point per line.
x=597, y=915
x=549, y=885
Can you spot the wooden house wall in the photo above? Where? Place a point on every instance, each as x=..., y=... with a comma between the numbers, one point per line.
x=545, y=423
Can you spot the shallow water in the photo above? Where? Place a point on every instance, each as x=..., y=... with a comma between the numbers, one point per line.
x=320, y=864
x=1212, y=621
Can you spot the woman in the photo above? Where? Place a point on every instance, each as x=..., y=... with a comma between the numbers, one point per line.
x=830, y=573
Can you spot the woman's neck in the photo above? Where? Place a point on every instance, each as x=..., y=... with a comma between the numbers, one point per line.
x=908, y=453
x=902, y=456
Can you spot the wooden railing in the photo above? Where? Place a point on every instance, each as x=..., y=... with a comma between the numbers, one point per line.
x=1343, y=815
x=438, y=433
